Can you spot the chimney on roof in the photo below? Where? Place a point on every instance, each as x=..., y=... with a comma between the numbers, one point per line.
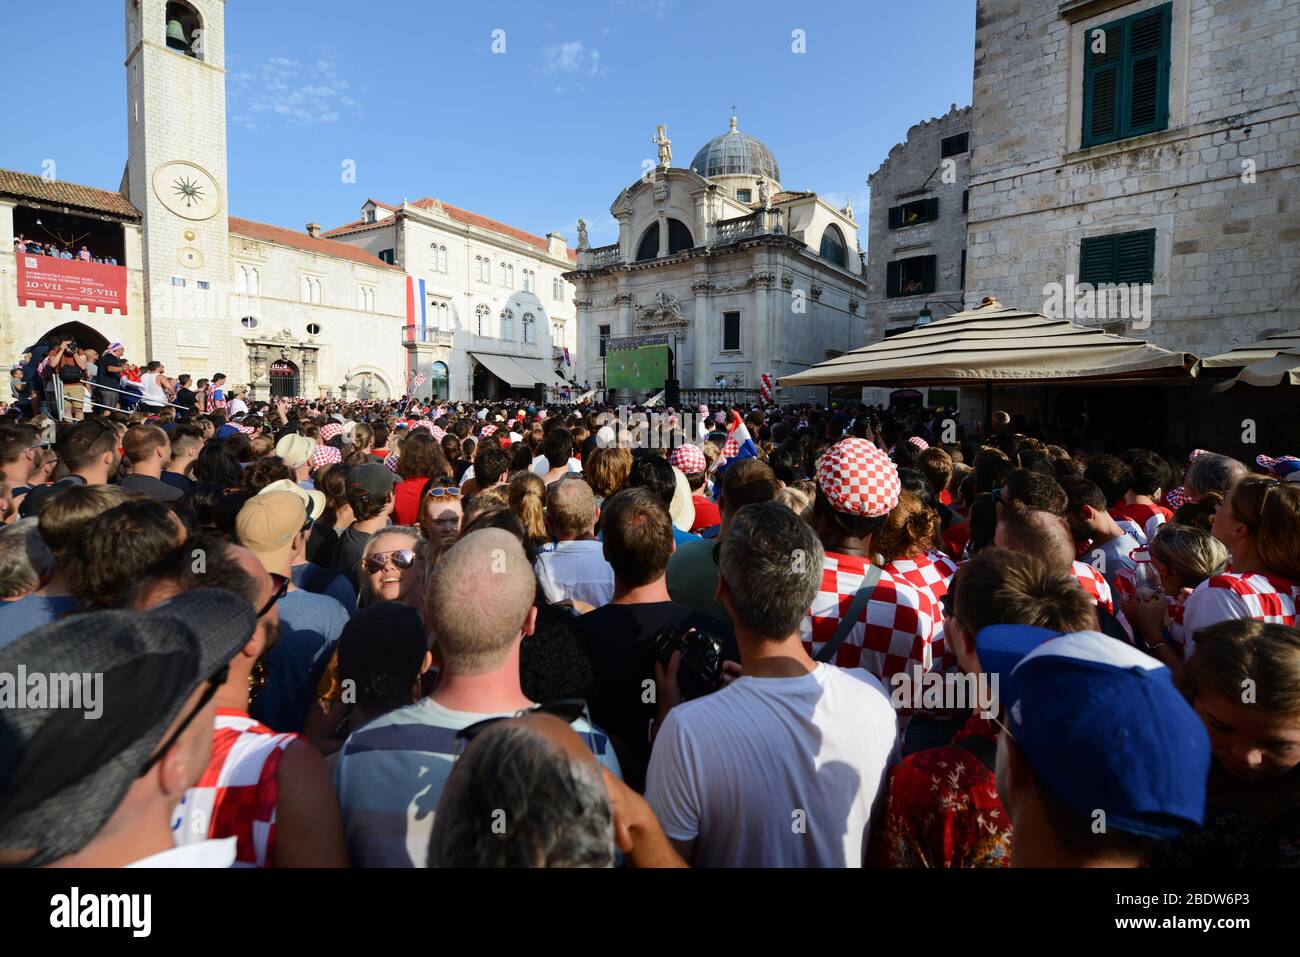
x=313, y=230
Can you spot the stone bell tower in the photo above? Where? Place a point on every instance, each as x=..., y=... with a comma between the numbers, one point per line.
x=176, y=176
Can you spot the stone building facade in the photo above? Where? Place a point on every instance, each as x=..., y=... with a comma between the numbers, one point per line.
x=742, y=277
x=1157, y=139
x=917, y=224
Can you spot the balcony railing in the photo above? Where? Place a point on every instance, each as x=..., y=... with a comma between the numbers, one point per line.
x=719, y=397
x=436, y=337
x=600, y=256
x=759, y=223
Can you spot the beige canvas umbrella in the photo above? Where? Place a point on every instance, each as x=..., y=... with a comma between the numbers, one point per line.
x=995, y=344
x=1274, y=360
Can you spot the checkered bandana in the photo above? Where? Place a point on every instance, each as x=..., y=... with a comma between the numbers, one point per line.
x=246, y=429
x=858, y=478
x=323, y=455
x=390, y=461
x=1281, y=466
x=1177, y=497
x=688, y=458
x=437, y=433
x=328, y=432
x=486, y=431
x=920, y=443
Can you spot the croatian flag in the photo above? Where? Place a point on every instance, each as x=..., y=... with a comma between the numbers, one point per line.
x=567, y=361
x=739, y=444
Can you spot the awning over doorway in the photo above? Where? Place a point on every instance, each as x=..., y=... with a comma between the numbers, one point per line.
x=519, y=372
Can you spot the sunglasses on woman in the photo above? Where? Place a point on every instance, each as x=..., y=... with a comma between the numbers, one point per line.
x=402, y=558
x=440, y=491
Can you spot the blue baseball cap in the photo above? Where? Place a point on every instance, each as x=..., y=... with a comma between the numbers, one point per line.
x=1103, y=728
x=1001, y=647
x=227, y=430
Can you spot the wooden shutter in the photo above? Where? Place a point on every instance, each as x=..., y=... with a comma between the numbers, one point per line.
x=1097, y=259
x=1102, y=77
x=1147, y=72
x=893, y=278
x=895, y=217
x=928, y=272
x=932, y=209
x=1135, y=256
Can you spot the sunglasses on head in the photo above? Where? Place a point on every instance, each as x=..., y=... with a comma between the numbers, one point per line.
x=441, y=491
x=402, y=558
x=567, y=710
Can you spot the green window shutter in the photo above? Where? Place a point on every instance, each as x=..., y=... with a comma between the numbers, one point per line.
x=1148, y=72
x=895, y=217
x=1102, y=76
x=893, y=278
x=1097, y=259
x=1135, y=256
x=1126, y=86
x=932, y=209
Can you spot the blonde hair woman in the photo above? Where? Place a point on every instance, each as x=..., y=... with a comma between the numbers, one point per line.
x=1244, y=683
x=527, y=495
x=1183, y=556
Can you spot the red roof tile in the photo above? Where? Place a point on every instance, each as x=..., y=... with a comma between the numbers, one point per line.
x=38, y=188
x=266, y=233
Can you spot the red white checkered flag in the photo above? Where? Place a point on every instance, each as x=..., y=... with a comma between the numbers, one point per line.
x=418, y=380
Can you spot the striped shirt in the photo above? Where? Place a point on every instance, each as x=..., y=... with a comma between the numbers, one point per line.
x=391, y=772
x=237, y=794
x=1232, y=595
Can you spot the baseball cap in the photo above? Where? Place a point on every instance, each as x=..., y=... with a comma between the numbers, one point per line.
x=858, y=479
x=324, y=455
x=266, y=526
x=372, y=478
x=1103, y=728
x=1001, y=647
x=62, y=775
x=312, y=500
x=295, y=449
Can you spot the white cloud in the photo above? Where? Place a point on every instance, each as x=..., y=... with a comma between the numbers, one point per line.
x=571, y=61
x=289, y=93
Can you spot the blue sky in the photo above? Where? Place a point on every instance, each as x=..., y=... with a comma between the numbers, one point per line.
x=537, y=136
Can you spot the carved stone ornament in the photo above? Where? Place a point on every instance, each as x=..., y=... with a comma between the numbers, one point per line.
x=702, y=285
x=623, y=297
x=787, y=281
x=762, y=278
x=816, y=291
x=853, y=305
x=665, y=311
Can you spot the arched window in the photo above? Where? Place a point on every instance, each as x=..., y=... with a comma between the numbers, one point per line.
x=679, y=238
x=254, y=281
x=833, y=247
x=501, y=275
x=442, y=259
x=530, y=327
x=557, y=289
x=510, y=277
x=184, y=29
x=444, y=315
x=433, y=257
x=507, y=324
x=440, y=380
x=241, y=280
x=481, y=315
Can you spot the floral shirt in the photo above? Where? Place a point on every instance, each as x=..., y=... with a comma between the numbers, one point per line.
x=943, y=809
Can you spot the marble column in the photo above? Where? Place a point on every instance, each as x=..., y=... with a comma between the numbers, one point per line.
x=701, y=321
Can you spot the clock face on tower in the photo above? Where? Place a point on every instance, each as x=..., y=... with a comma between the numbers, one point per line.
x=187, y=190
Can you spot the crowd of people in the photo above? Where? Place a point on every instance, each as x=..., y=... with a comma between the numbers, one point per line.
x=393, y=634
x=32, y=247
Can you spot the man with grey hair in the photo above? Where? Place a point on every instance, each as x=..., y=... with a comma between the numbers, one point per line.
x=390, y=773
x=782, y=767
x=25, y=561
x=528, y=793
x=1211, y=472
x=574, y=567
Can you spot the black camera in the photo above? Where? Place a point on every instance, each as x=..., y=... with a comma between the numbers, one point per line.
x=700, y=670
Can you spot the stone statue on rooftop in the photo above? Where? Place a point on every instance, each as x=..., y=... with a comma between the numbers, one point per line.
x=665, y=146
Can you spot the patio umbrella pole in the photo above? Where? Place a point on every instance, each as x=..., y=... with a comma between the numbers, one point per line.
x=988, y=406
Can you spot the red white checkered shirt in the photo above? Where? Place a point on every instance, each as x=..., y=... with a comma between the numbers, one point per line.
x=930, y=573
x=237, y=794
x=1267, y=598
x=895, y=632
x=1095, y=585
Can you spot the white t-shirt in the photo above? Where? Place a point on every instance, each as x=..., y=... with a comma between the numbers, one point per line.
x=775, y=772
x=237, y=407
x=541, y=466
x=151, y=390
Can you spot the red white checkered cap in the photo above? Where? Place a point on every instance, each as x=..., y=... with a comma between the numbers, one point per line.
x=390, y=461
x=437, y=433
x=858, y=478
x=328, y=432
x=688, y=458
x=486, y=431
x=920, y=443
x=325, y=455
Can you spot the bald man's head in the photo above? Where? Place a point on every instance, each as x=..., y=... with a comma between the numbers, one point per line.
x=478, y=601
x=1038, y=533
x=570, y=508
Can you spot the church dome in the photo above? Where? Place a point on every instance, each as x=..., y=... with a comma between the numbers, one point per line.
x=735, y=153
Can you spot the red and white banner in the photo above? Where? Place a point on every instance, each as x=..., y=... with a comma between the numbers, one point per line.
x=70, y=283
x=765, y=387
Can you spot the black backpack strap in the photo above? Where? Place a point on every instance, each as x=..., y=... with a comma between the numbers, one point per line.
x=983, y=747
x=852, y=616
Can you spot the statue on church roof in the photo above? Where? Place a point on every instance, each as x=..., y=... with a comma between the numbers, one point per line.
x=582, y=234
x=764, y=199
x=665, y=146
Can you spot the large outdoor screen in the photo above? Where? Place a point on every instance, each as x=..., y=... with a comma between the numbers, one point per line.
x=642, y=368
